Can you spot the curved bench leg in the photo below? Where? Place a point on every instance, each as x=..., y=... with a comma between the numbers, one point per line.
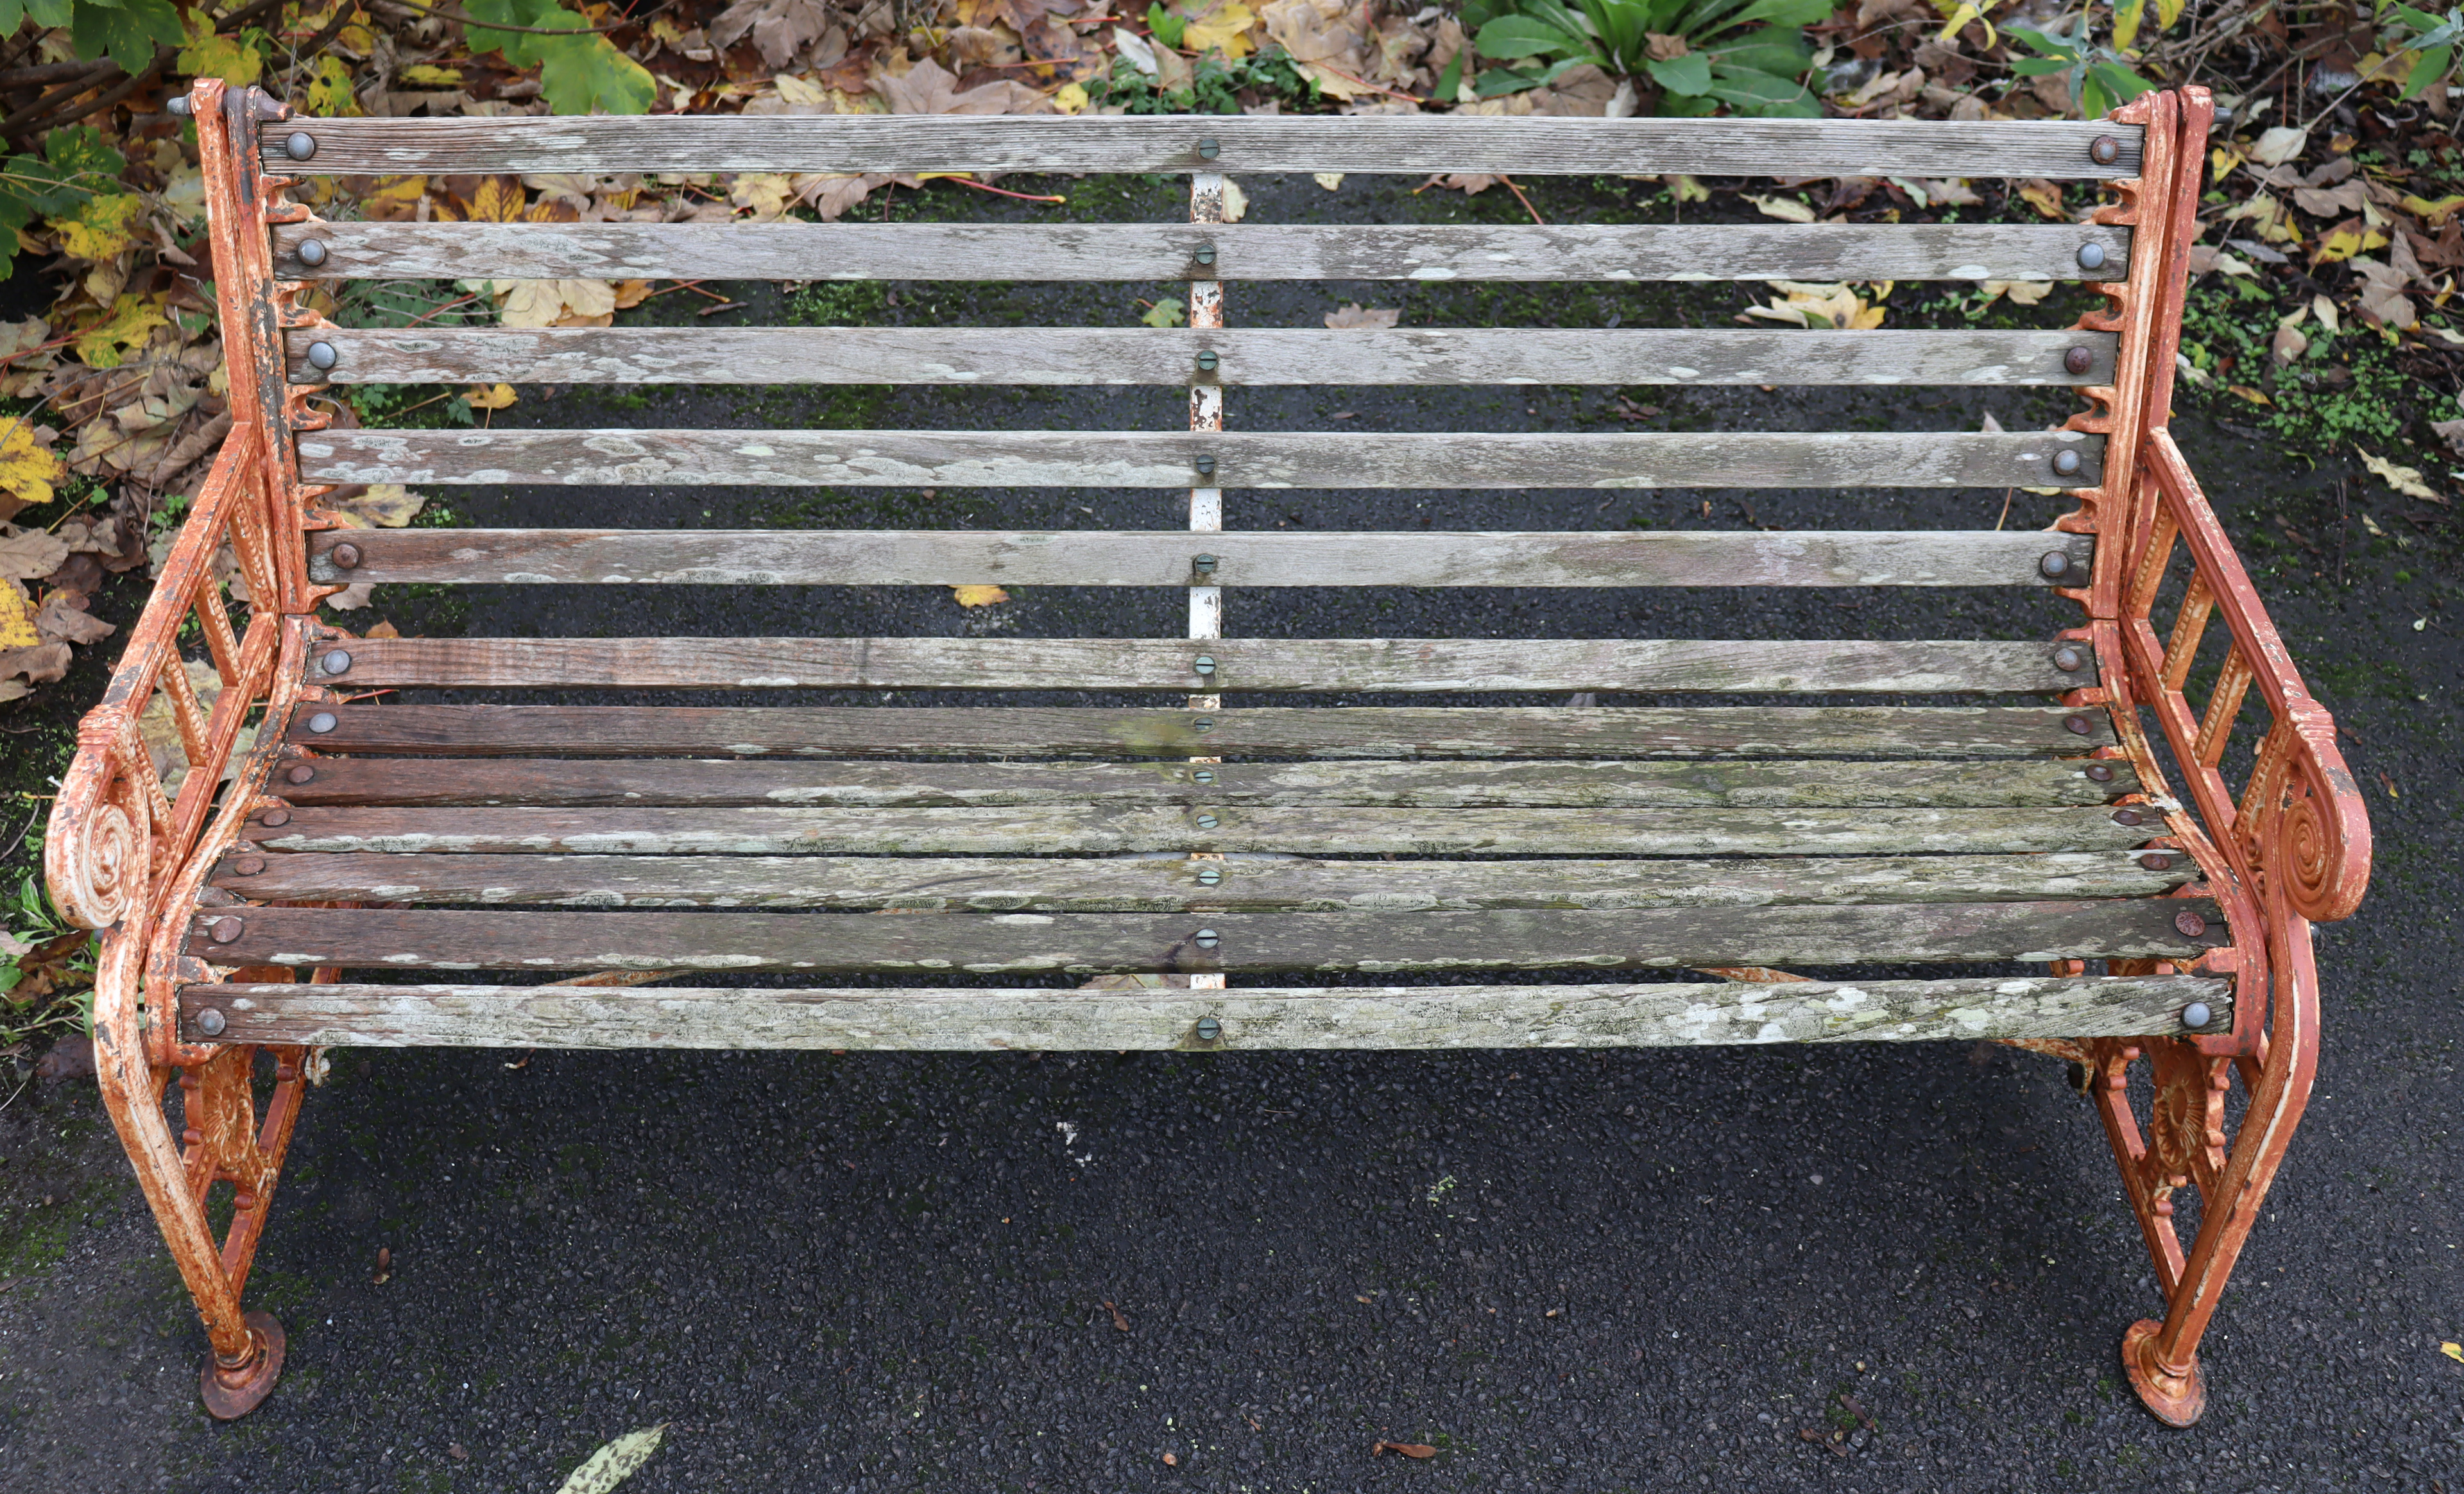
x=2185, y=1145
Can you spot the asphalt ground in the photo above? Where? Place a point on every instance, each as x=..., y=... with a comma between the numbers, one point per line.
x=1561, y=1271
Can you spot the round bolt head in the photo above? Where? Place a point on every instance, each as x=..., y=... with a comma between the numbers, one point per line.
x=1202, y=563
x=1207, y=361
x=2078, y=361
x=2191, y=926
x=338, y=663
x=209, y=1021
x=322, y=722
x=1209, y=1029
x=312, y=251
x=346, y=555
x=1210, y=149
x=2066, y=463
x=2157, y=861
x=301, y=774
x=300, y=146
x=2197, y=1015
x=181, y=106
x=1209, y=877
x=2100, y=772
x=1204, y=663
x=322, y=356
x=2079, y=725
x=277, y=818
x=1201, y=725
x=2054, y=566
x=1206, y=463
x=1203, y=776
x=2091, y=257
x=1206, y=822
x=1207, y=938
x=2068, y=660
x=223, y=931
x=2127, y=817
x=2105, y=152
x=248, y=865
x=1206, y=253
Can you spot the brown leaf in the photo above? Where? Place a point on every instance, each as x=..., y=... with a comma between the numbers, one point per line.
x=1407, y=1449
x=929, y=88
x=1118, y=1321
x=780, y=28
x=72, y=1057
x=1170, y=1461
x=1351, y=317
x=383, y=630
x=1664, y=49
x=2320, y=202
x=385, y=1268
x=1467, y=183
x=64, y=620
x=2046, y=198
x=40, y=664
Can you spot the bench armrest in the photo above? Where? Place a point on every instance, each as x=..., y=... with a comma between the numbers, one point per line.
x=2298, y=830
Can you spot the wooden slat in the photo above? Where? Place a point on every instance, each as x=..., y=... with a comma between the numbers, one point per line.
x=1401, y=732
x=1169, y=557
x=1138, y=252
x=1170, y=883
x=1096, y=943
x=867, y=1019
x=1252, y=143
x=1167, y=459
x=1277, y=663
x=568, y=782
x=1318, y=830
x=1079, y=357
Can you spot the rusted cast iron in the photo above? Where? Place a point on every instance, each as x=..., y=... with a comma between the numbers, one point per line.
x=129, y=858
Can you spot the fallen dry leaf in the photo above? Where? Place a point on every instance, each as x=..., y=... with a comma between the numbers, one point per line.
x=17, y=614
x=351, y=598
x=1118, y=1321
x=978, y=596
x=613, y=1464
x=1786, y=209
x=64, y=620
x=1170, y=1461
x=2451, y=431
x=2022, y=292
x=780, y=28
x=929, y=88
x=2280, y=144
x=28, y=467
x=2288, y=343
x=383, y=630
x=2455, y=1351
x=29, y=553
x=1352, y=317
x=385, y=1268
x=1407, y=1449
x=2045, y=197
x=2405, y=480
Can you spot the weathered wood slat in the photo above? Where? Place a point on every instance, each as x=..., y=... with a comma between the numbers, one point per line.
x=2006, y=783
x=1169, y=459
x=1171, y=558
x=1252, y=143
x=1401, y=731
x=1319, y=829
x=1078, y=357
x=1138, y=252
x=864, y=1020
x=1096, y=943
x=1169, y=885
x=1277, y=663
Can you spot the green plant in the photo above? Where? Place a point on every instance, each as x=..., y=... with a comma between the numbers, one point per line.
x=46, y=971
x=2099, y=82
x=128, y=30
x=1749, y=54
x=1215, y=84
x=581, y=73
x=2428, y=40
x=73, y=173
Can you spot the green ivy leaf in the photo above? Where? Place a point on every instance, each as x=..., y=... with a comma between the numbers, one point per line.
x=128, y=30
x=588, y=73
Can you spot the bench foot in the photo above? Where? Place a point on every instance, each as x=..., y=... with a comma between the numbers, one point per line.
x=232, y=1391
x=2177, y=1395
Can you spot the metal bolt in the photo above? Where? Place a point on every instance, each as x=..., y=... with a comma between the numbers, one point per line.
x=2157, y=861
x=2066, y=463
x=1206, y=822
x=2069, y=660
x=1203, y=776
x=1204, y=663
x=2100, y=772
x=1203, y=564
x=1208, y=876
x=1209, y=148
x=1207, y=938
x=2091, y=257
x=181, y=107
x=346, y=555
x=275, y=818
x=1206, y=465
x=2105, y=152
x=1206, y=254
x=338, y=663
x=2197, y=1015
x=322, y=722
x=300, y=145
x=301, y=774
x=209, y=1021
x=1201, y=726
x=223, y=931
x=2079, y=725
x=2190, y=924
x=322, y=356
x=2056, y=565
x=2127, y=817
x=1209, y=1029
x=2078, y=361
x=312, y=251
x=1207, y=361
x=248, y=865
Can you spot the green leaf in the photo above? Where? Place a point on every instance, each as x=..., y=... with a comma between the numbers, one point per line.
x=1774, y=49
x=2061, y=49
x=2108, y=87
x=1166, y=26
x=2037, y=67
x=129, y=32
x=1450, y=77
x=1785, y=12
x=1689, y=74
x=613, y=1464
x=2126, y=15
x=1749, y=91
x=2432, y=67
x=586, y=74
x=519, y=48
x=1511, y=36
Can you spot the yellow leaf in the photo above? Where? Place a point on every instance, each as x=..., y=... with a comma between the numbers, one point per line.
x=2431, y=212
x=1070, y=98
x=2221, y=161
x=106, y=342
x=2405, y=480
x=2455, y=1351
x=101, y=228
x=16, y=617
x=630, y=294
x=2245, y=391
x=979, y=595
x=1788, y=208
x=400, y=188
x=481, y=396
x=1959, y=17
x=28, y=467
x=2125, y=23
x=2022, y=292
x=428, y=75
x=329, y=89
x=1684, y=188
x=2345, y=240
x=1224, y=29
x=2046, y=198
x=208, y=55
x=2167, y=11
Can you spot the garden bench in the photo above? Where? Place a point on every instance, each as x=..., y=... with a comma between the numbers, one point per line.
x=1309, y=858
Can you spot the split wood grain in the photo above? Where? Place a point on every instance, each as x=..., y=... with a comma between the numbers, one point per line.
x=1141, y=253
x=870, y=1019
x=1396, y=732
x=1162, y=459
x=984, y=885
x=1176, y=557
x=1080, y=357
x=1081, y=944
x=585, y=781
x=1322, y=829
x=1404, y=143
x=1265, y=664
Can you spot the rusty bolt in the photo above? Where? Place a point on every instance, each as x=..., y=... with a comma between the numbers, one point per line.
x=2069, y=660
x=2054, y=564
x=2078, y=361
x=2197, y=1015
x=209, y=1021
x=301, y=774
x=338, y=663
x=248, y=865
x=2066, y=463
x=2100, y=772
x=2125, y=816
x=2079, y=725
x=2105, y=152
x=2157, y=861
x=275, y=817
x=223, y=931
x=1209, y=938
x=346, y=555
x=322, y=722
x=1209, y=1029
x=2191, y=926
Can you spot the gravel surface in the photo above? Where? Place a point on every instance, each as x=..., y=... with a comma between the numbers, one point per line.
x=1562, y=1271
